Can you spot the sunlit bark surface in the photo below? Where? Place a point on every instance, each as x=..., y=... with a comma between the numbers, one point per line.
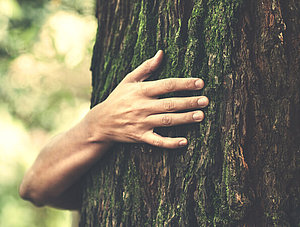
x=241, y=166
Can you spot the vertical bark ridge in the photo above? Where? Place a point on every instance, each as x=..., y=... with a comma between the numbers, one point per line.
x=270, y=149
x=242, y=163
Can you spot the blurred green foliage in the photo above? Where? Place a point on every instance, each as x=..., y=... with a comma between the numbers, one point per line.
x=14, y=213
x=21, y=21
x=20, y=25
x=36, y=98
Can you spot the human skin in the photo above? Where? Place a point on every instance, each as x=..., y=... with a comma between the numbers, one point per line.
x=129, y=114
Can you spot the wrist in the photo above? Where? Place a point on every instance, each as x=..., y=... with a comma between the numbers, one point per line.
x=89, y=127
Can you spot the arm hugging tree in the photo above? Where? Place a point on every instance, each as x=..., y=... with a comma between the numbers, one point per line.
x=241, y=165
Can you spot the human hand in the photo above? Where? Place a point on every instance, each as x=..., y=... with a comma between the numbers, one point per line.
x=132, y=110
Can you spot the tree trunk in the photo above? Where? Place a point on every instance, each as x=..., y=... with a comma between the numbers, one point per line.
x=241, y=166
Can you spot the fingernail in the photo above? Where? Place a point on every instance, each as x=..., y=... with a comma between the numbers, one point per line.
x=202, y=101
x=182, y=143
x=199, y=83
x=198, y=116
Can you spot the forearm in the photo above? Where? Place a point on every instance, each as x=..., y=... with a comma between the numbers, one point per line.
x=61, y=164
x=129, y=114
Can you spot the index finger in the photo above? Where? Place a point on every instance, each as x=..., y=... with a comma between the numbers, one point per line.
x=164, y=86
x=143, y=71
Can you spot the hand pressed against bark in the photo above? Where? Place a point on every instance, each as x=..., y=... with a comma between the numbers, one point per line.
x=132, y=110
x=128, y=115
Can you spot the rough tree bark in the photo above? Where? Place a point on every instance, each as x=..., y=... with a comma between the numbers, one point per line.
x=241, y=166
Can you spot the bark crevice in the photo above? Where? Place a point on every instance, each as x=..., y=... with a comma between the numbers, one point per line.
x=241, y=166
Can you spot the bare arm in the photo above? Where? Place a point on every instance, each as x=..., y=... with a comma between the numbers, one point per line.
x=129, y=114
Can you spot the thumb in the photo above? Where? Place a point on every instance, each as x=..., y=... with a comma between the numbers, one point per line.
x=143, y=71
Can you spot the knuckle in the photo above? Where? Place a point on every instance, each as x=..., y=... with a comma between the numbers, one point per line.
x=169, y=85
x=189, y=84
x=138, y=111
x=138, y=137
x=169, y=105
x=144, y=90
x=191, y=103
x=166, y=120
x=157, y=142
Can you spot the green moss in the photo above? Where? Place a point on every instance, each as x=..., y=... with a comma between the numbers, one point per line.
x=209, y=52
x=203, y=49
x=146, y=38
x=195, y=57
x=132, y=196
x=117, y=62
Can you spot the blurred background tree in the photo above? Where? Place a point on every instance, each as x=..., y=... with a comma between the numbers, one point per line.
x=45, y=52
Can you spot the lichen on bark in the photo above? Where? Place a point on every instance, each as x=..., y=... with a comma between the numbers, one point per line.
x=229, y=174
